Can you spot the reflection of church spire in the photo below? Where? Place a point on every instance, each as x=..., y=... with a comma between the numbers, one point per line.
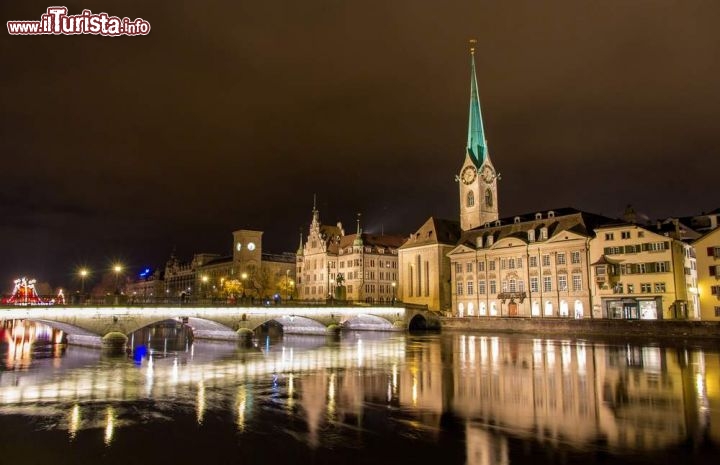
x=476, y=144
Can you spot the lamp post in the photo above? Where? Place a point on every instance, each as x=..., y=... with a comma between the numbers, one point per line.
x=287, y=284
x=393, y=290
x=203, y=285
x=117, y=269
x=292, y=287
x=83, y=275
x=244, y=280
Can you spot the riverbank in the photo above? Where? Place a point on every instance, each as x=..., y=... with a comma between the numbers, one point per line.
x=662, y=329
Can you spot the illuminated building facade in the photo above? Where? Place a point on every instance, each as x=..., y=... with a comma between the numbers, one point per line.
x=643, y=272
x=707, y=249
x=364, y=265
x=532, y=265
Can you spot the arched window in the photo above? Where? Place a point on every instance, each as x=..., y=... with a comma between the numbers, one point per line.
x=488, y=198
x=470, y=199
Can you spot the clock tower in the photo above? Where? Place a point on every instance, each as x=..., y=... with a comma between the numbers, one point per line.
x=477, y=178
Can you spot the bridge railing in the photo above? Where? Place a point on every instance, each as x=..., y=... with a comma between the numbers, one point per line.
x=122, y=300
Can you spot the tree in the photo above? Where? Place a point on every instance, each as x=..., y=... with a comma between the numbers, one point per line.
x=232, y=288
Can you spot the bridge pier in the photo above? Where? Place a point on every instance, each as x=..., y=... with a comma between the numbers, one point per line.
x=114, y=342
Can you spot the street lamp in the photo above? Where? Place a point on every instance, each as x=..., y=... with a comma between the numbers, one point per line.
x=117, y=269
x=244, y=276
x=83, y=274
x=393, y=288
x=287, y=284
x=203, y=284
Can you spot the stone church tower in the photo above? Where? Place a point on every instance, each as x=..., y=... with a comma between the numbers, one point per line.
x=477, y=178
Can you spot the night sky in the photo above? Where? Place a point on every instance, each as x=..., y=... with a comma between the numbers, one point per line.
x=231, y=114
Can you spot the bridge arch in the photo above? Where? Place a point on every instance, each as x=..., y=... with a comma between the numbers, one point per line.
x=368, y=322
x=293, y=324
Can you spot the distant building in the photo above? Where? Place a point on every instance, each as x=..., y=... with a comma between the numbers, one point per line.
x=364, y=264
x=257, y=273
x=707, y=250
x=644, y=272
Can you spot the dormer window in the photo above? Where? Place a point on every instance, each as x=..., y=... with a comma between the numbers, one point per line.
x=516, y=220
x=479, y=242
x=538, y=216
x=497, y=223
x=543, y=233
x=490, y=240
x=551, y=214
x=531, y=235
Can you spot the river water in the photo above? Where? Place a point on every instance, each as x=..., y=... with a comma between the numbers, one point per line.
x=376, y=398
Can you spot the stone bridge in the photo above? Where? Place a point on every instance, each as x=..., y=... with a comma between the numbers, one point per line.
x=110, y=326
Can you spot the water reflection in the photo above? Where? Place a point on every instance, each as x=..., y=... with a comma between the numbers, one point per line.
x=489, y=391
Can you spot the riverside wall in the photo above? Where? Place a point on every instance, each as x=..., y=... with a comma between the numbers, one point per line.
x=672, y=329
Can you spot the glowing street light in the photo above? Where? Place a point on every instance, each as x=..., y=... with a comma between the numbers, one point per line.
x=83, y=274
x=117, y=268
x=393, y=288
x=203, y=284
x=244, y=280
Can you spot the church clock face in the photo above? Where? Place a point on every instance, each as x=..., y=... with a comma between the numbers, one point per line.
x=468, y=174
x=488, y=174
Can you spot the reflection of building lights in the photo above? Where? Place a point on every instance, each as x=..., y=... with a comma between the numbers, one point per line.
x=360, y=353
x=74, y=423
x=331, y=395
x=109, y=425
x=395, y=377
x=241, y=404
x=494, y=350
x=580, y=350
x=291, y=391
x=200, y=402
x=414, y=388
x=471, y=349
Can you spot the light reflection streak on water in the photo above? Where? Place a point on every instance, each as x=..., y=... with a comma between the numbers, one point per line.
x=291, y=392
x=74, y=421
x=331, y=396
x=200, y=410
x=241, y=407
x=109, y=425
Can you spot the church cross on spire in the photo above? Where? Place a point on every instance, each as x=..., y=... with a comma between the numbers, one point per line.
x=476, y=144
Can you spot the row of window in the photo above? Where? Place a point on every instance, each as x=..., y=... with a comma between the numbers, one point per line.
x=645, y=288
x=370, y=263
x=610, y=236
x=633, y=268
x=513, y=285
x=369, y=275
x=517, y=263
x=637, y=248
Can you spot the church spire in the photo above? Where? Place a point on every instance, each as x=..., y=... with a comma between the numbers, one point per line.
x=300, y=247
x=358, y=242
x=315, y=212
x=476, y=144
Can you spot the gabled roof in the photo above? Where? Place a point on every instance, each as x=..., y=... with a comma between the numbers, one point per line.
x=556, y=221
x=435, y=231
x=390, y=241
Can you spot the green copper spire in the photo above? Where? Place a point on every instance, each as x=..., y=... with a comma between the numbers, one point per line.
x=476, y=145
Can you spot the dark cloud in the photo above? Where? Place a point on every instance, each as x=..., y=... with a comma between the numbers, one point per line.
x=232, y=114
